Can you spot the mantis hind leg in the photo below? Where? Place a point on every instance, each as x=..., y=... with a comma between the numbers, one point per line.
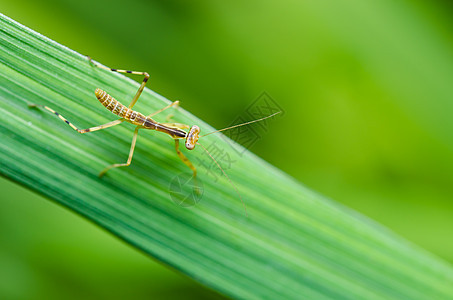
x=140, y=89
x=129, y=159
x=91, y=129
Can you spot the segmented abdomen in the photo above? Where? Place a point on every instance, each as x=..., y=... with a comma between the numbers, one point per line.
x=121, y=110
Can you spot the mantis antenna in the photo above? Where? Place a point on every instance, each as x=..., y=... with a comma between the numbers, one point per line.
x=246, y=123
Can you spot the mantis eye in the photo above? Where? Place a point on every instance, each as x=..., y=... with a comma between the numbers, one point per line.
x=192, y=137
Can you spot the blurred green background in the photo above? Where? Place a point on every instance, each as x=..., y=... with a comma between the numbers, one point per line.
x=366, y=86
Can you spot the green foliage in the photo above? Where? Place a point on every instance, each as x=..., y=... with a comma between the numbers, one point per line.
x=294, y=243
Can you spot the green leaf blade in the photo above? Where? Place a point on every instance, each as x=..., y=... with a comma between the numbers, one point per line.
x=294, y=244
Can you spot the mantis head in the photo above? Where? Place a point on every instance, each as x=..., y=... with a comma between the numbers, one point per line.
x=192, y=137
